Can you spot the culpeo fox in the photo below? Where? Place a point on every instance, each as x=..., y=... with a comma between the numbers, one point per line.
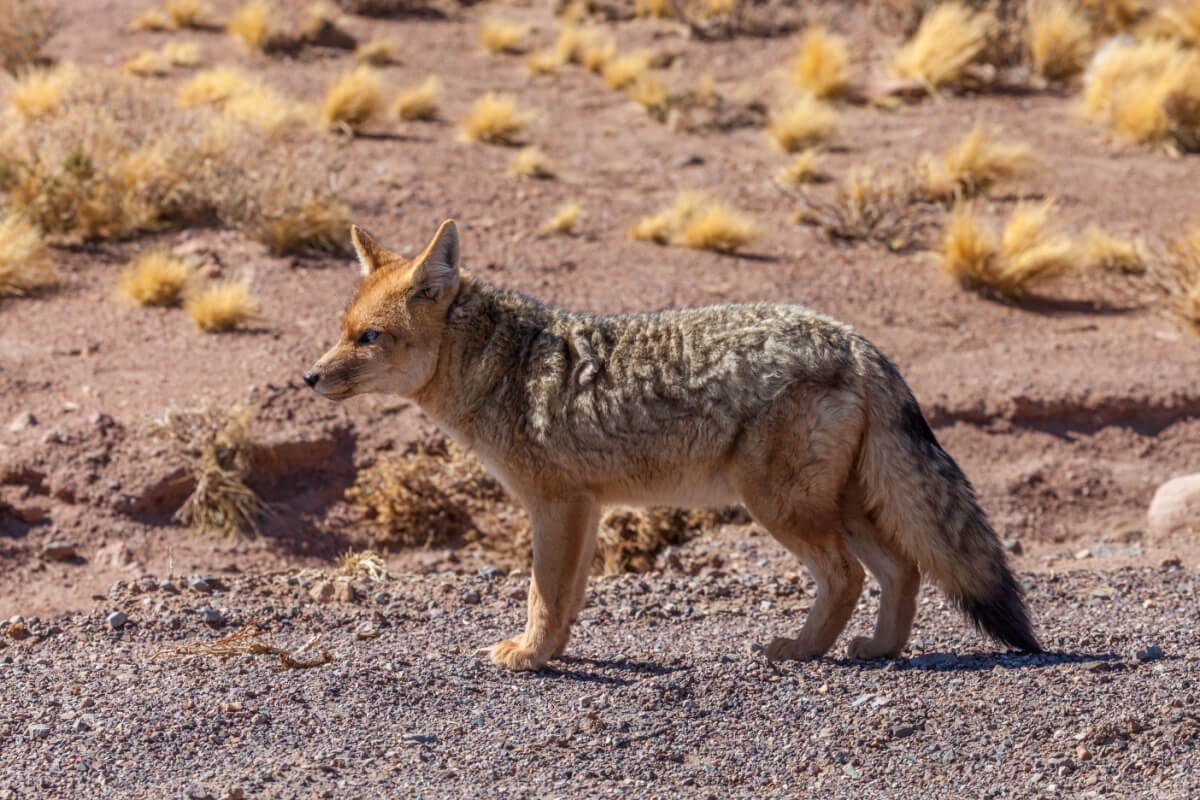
x=785, y=410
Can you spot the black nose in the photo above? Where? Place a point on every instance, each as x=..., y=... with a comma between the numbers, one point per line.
x=311, y=379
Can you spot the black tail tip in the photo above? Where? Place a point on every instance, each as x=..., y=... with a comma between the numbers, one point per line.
x=1000, y=613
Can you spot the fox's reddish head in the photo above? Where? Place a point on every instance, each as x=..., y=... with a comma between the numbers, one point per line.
x=392, y=329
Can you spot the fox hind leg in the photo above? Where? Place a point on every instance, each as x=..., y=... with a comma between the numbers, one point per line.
x=899, y=580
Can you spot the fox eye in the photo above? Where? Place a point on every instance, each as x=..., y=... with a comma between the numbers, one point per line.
x=368, y=336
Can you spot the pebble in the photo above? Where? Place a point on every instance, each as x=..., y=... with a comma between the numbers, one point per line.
x=1176, y=505
x=58, y=550
x=419, y=738
x=211, y=616
x=21, y=421
x=381, y=598
x=199, y=585
x=82, y=723
x=117, y=619
x=39, y=731
x=166, y=585
x=489, y=572
x=471, y=597
x=1151, y=653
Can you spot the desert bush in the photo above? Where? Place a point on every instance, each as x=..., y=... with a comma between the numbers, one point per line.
x=246, y=100
x=251, y=25
x=630, y=540
x=25, y=265
x=1178, y=275
x=377, y=52
x=803, y=168
x=151, y=19
x=1028, y=252
x=498, y=36
x=418, y=102
x=154, y=278
x=362, y=564
x=562, y=221
x=595, y=51
x=313, y=226
x=216, y=446
x=543, y=62
x=531, y=162
x=221, y=306
x=1060, y=39
x=887, y=209
x=352, y=98
x=806, y=122
x=183, y=54
x=1147, y=92
x=147, y=64
x=651, y=94
x=494, y=119
x=1115, y=16
x=699, y=221
x=621, y=71
x=975, y=164
x=1178, y=20
x=949, y=38
x=25, y=28
x=1105, y=251
x=821, y=67
x=190, y=13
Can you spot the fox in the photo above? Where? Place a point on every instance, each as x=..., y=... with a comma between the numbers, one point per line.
x=787, y=411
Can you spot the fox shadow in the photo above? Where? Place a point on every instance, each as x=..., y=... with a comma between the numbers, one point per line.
x=976, y=662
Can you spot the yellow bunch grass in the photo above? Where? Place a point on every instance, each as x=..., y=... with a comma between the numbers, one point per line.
x=1060, y=39
x=25, y=265
x=221, y=306
x=821, y=67
x=596, y=51
x=620, y=72
x=653, y=9
x=1105, y=251
x=1179, y=20
x=147, y=64
x=154, y=279
x=975, y=164
x=499, y=36
x=807, y=121
x=213, y=87
x=1146, y=91
x=531, y=162
x=1181, y=277
x=377, y=52
x=949, y=38
x=152, y=19
x=803, y=168
x=495, y=119
x=543, y=62
x=563, y=220
x=699, y=221
x=40, y=91
x=418, y=102
x=190, y=13
x=352, y=98
x=251, y=25
x=649, y=92
x=183, y=54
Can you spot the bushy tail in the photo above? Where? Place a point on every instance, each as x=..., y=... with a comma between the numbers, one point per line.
x=919, y=497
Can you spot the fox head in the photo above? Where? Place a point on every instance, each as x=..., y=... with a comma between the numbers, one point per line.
x=392, y=329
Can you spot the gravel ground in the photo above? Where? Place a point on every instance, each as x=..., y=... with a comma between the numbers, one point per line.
x=663, y=695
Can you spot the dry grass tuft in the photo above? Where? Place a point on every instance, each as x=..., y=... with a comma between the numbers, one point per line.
x=315, y=226
x=543, y=62
x=147, y=64
x=25, y=28
x=653, y=9
x=621, y=72
x=251, y=25
x=498, y=36
x=25, y=265
x=1179, y=20
x=531, y=162
x=362, y=564
x=821, y=67
x=152, y=19
x=975, y=164
x=183, y=54
x=216, y=445
x=949, y=38
x=246, y=641
x=190, y=13
x=154, y=279
x=40, y=92
x=494, y=119
x=1027, y=253
x=596, y=51
x=377, y=52
x=221, y=306
x=247, y=100
x=1060, y=39
x=352, y=98
x=1105, y=251
x=890, y=210
x=630, y=540
x=696, y=220
x=1178, y=276
x=806, y=122
x=563, y=220
x=214, y=87
x=803, y=168
x=418, y=102
x=1147, y=92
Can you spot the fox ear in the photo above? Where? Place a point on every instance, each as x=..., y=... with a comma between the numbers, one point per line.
x=371, y=254
x=436, y=269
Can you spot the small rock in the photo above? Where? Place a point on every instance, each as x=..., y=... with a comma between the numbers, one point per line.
x=1013, y=546
x=39, y=731
x=195, y=791
x=112, y=484
x=419, y=738
x=381, y=598
x=1083, y=554
x=471, y=597
x=1151, y=653
x=903, y=731
x=489, y=572
x=58, y=550
x=16, y=630
x=332, y=592
x=233, y=793
x=82, y=723
x=21, y=421
x=1176, y=505
x=198, y=584
x=934, y=659
x=32, y=513
x=210, y=616
x=117, y=619
x=166, y=585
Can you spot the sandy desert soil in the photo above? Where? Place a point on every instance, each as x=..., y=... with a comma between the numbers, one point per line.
x=1066, y=413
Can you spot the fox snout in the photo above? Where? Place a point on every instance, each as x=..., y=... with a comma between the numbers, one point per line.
x=312, y=379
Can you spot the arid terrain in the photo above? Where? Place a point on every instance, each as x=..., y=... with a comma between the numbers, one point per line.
x=1067, y=405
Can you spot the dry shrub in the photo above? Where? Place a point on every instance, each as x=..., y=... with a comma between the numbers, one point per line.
x=214, y=87
x=352, y=98
x=652, y=9
x=1105, y=251
x=247, y=641
x=531, y=162
x=190, y=13
x=1114, y=16
x=621, y=72
x=246, y=100
x=152, y=19
x=418, y=102
x=494, y=119
x=377, y=52
x=596, y=51
x=806, y=122
x=821, y=67
x=498, y=36
x=562, y=221
x=543, y=62
x=803, y=168
x=891, y=210
x=630, y=540
x=1147, y=92
x=315, y=226
x=251, y=25
x=183, y=54
x=362, y=564
x=1060, y=39
x=147, y=64
x=651, y=94
x=216, y=445
x=25, y=265
x=319, y=28
x=1178, y=275
x=1028, y=252
x=1179, y=20
x=154, y=278
x=949, y=38
x=975, y=164
x=25, y=28
x=697, y=220
x=39, y=92
x=221, y=306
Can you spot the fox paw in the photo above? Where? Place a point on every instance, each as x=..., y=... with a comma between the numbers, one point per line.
x=511, y=655
x=782, y=649
x=864, y=648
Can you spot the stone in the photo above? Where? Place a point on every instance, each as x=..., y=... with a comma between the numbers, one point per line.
x=489, y=572
x=419, y=738
x=114, y=554
x=1151, y=653
x=117, y=619
x=1175, y=507
x=58, y=550
x=471, y=597
x=210, y=616
x=198, y=584
x=381, y=598
x=39, y=730
x=22, y=421
x=332, y=592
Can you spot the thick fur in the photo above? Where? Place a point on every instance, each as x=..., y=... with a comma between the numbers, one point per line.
x=791, y=413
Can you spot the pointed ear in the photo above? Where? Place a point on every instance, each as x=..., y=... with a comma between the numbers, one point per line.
x=371, y=254
x=435, y=271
